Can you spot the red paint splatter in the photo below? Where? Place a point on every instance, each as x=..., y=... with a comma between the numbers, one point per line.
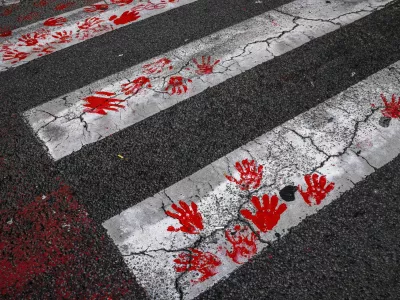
x=392, y=109
x=29, y=17
x=4, y=32
x=204, y=263
x=55, y=21
x=99, y=105
x=157, y=66
x=41, y=3
x=121, y=2
x=243, y=244
x=125, y=18
x=44, y=49
x=136, y=85
x=62, y=37
x=266, y=215
x=177, y=85
x=317, y=189
x=96, y=7
x=14, y=55
x=189, y=217
x=63, y=6
x=250, y=175
x=205, y=67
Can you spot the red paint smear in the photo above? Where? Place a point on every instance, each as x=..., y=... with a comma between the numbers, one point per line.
x=96, y=7
x=125, y=18
x=189, y=217
x=205, y=67
x=392, y=109
x=99, y=105
x=266, y=215
x=64, y=6
x=8, y=11
x=55, y=21
x=29, y=17
x=121, y=2
x=177, y=85
x=5, y=32
x=157, y=66
x=205, y=263
x=136, y=85
x=250, y=175
x=243, y=244
x=317, y=189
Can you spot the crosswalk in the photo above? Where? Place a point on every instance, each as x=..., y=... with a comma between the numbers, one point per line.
x=192, y=226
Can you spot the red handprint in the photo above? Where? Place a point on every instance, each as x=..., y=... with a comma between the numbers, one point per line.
x=317, y=189
x=4, y=32
x=205, y=67
x=99, y=105
x=14, y=55
x=244, y=245
x=177, y=85
x=91, y=27
x=40, y=3
x=266, y=216
x=392, y=109
x=136, y=85
x=157, y=66
x=96, y=7
x=62, y=37
x=205, y=263
x=190, y=219
x=44, y=49
x=55, y=21
x=90, y=23
x=32, y=39
x=29, y=17
x=121, y=2
x=250, y=175
x=125, y=18
x=63, y=6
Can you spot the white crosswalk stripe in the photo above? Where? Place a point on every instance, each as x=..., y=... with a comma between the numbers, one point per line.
x=186, y=238
x=56, y=33
x=83, y=117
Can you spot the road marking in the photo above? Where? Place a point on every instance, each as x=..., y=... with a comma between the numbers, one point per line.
x=107, y=106
x=177, y=251
x=48, y=36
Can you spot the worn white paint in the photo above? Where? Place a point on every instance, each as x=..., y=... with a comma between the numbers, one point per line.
x=340, y=138
x=75, y=18
x=64, y=128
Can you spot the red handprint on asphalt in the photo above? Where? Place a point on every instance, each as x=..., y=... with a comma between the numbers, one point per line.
x=205, y=67
x=317, y=189
x=62, y=37
x=205, y=263
x=99, y=105
x=4, y=32
x=96, y=7
x=63, y=6
x=392, y=109
x=125, y=18
x=243, y=244
x=267, y=215
x=177, y=85
x=14, y=55
x=55, y=21
x=157, y=66
x=189, y=217
x=136, y=85
x=250, y=175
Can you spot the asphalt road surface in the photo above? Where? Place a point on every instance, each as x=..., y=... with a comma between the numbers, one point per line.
x=198, y=149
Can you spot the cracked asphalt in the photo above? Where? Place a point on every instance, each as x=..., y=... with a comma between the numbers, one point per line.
x=348, y=250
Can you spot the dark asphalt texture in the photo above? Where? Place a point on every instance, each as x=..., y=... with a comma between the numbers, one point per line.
x=347, y=251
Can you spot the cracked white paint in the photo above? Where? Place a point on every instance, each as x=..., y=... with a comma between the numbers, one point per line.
x=74, y=17
x=64, y=128
x=340, y=138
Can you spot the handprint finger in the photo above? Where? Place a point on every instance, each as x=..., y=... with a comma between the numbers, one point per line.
x=247, y=214
x=256, y=202
x=322, y=182
x=315, y=178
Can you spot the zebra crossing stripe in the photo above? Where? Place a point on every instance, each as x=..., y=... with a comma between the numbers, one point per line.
x=56, y=33
x=87, y=115
x=189, y=236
